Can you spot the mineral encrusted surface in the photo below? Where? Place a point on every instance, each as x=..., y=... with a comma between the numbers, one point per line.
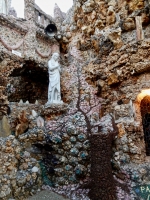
x=104, y=53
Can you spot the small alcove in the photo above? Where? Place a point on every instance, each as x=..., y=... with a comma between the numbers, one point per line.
x=145, y=114
x=29, y=83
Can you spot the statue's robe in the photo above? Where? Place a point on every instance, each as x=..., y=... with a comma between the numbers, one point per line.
x=54, y=81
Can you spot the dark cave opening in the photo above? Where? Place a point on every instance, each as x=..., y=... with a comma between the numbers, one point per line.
x=145, y=113
x=29, y=83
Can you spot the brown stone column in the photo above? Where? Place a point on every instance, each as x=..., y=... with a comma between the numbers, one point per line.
x=102, y=185
x=139, y=29
x=3, y=103
x=30, y=39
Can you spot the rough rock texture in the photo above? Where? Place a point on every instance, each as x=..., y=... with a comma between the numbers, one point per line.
x=102, y=184
x=113, y=38
x=4, y=127
x=104, y=54
x=45, y=195
x=18, y=179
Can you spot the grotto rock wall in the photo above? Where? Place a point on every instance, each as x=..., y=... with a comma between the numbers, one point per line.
x=104, y=55
x=54, y=141
x=18, y=182
x=24, y=46
x=24, y=53
x=113, y=39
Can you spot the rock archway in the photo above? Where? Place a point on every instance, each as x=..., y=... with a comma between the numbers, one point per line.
x=29, y=83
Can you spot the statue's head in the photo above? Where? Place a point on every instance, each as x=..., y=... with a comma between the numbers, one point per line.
x=55, y=56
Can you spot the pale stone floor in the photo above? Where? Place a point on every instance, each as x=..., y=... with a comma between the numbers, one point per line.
x=47, y=195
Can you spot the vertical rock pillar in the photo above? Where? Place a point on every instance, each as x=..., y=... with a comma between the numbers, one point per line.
x=30, y=39
x=3, y=103
x=102, y=183
x=139, y=29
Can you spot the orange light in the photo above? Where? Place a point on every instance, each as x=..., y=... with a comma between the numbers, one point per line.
x=143, y=94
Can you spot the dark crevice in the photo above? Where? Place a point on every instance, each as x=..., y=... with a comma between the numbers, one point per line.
x=28, y=83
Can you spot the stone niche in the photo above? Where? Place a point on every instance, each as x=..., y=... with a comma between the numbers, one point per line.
x=29, y=83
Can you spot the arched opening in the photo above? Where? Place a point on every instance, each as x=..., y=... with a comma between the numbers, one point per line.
x=29, y=83
x=145, y=113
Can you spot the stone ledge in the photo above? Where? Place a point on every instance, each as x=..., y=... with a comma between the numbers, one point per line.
x=54, y=108
x=42, y=109
x=13, y=23
x=141, y=67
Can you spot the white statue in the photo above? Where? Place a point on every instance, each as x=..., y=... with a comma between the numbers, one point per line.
x=54, y=95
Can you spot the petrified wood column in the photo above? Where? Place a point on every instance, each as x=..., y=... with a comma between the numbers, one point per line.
x=30, y=42
x=102, y=183
x=3, y=103
x=139, y=29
